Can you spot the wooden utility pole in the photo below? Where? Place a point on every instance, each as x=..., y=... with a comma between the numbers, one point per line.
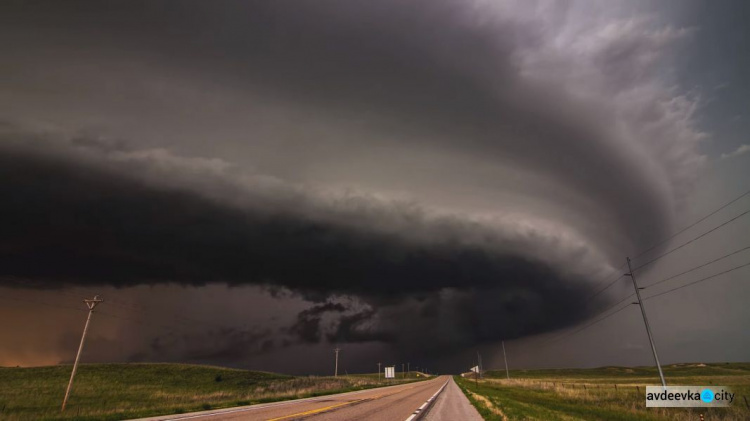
x=336, y=370
x=645, y=321
x=91, y=304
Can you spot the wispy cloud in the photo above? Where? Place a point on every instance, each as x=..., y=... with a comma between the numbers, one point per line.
x=743, y=149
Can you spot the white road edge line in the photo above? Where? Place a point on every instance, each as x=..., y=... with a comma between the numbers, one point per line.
x=427, y=402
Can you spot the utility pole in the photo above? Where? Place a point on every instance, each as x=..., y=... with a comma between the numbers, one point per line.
x=479, y=364
x=336, y=371
x=91, y=304
x=507, y=374
x=645, y=321
x=379, y=371
x=403, y=375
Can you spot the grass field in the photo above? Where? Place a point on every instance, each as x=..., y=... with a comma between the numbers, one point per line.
x=119, y=391
x=607, y=393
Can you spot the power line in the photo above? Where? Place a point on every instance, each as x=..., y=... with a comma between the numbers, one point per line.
x=30, y=284
x=138, y=321
x=618, y=303
x=663, y=255
x=124, y=304
x=698, y=267
x=715, y=211
x=140, y=308
x=695, y=282
x=693, y=224
x=692, y=240
x=127, y=305
x=605, y=288
x=42, y=303
x=64, y=307
x=591, y=324
x=614, y=271
x=564, y=335
x=149, y=310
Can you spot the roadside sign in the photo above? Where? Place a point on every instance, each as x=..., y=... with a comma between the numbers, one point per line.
x=390, y=372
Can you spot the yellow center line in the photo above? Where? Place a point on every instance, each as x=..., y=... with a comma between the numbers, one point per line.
x=315, y=411
x=328, y=408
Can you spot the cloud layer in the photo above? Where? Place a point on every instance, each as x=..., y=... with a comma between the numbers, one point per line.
x=457, y=170
x=83, y=221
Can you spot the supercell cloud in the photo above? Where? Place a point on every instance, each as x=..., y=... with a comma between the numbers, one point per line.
x=416, y=170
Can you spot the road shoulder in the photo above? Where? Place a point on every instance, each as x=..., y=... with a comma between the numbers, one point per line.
x=451, y=405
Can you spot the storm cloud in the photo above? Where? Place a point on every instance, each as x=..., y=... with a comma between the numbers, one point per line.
x=78, y=222
x=459, y=172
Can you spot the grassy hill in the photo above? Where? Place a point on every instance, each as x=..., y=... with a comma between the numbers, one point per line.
x=611, y=393
x=119, y=391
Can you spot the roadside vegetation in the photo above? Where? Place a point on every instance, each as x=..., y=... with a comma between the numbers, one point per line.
x=607, y=393
x=121, y=391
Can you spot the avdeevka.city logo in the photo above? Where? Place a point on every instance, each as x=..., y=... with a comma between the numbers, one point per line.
x=688, y=396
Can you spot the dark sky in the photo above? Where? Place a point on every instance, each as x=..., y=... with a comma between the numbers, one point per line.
x=254, y=183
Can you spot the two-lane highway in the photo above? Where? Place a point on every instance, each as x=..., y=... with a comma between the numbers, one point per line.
x=387, y=403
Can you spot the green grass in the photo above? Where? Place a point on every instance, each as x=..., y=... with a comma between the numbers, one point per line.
x=606, y=393
x=629, y=373
x=120, y=391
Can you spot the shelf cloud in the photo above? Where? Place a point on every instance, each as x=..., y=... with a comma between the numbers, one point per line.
x=428, y=169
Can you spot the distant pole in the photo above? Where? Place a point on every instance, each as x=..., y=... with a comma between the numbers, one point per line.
x=476, y=378
x=91, y=304
x=403, y=375
x=507, y=374
x=379, y=371
x=645, y=321
x=336, y=370
x=479, y=364
x=408, y=368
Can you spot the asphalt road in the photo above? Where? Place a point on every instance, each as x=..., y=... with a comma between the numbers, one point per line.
x=452, y=405
x=397, y=403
